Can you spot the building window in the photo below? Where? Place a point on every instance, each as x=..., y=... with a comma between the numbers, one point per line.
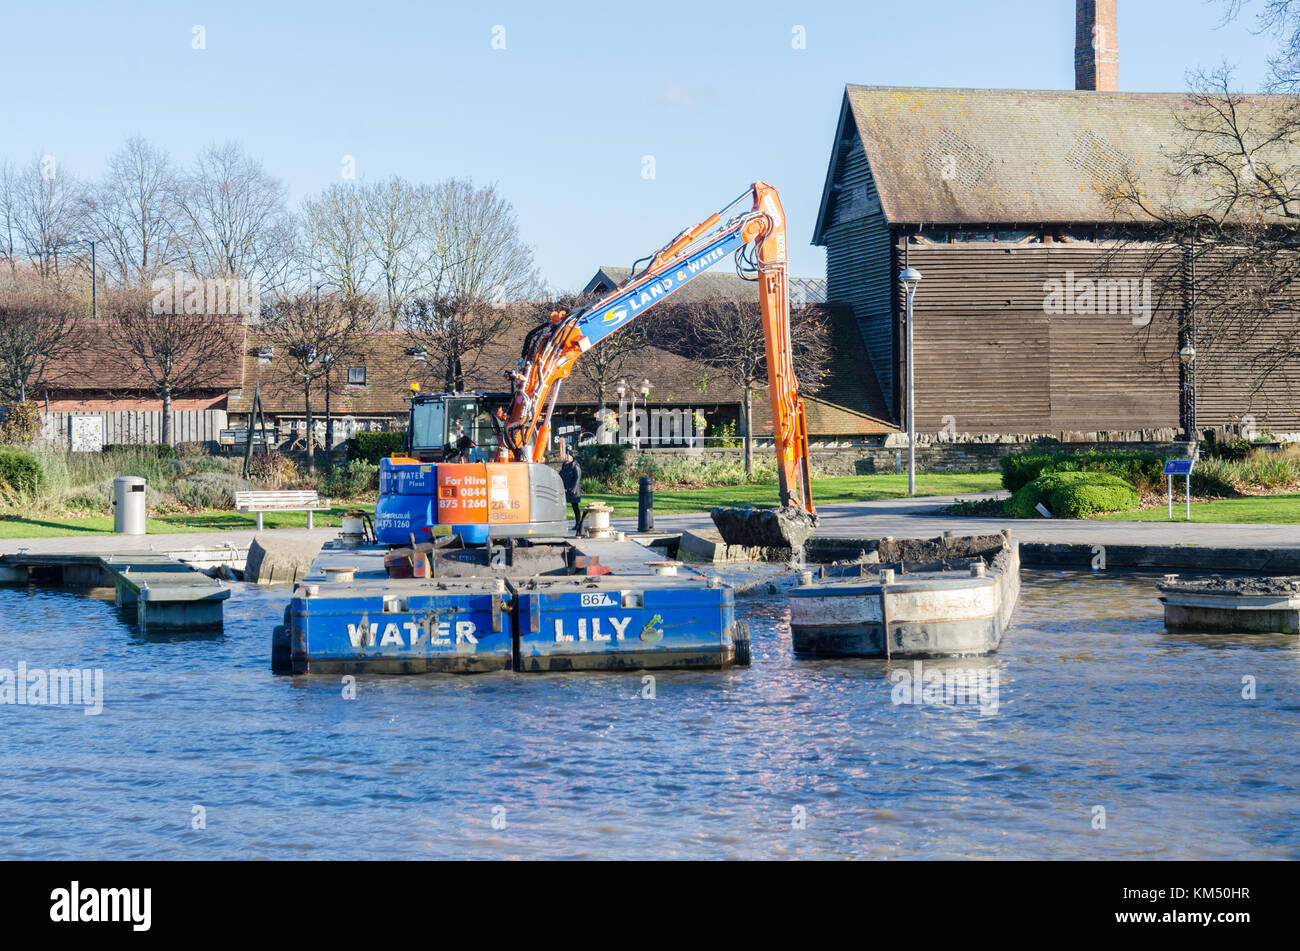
x=357, y=376
x=418, y=353
x=265, y=353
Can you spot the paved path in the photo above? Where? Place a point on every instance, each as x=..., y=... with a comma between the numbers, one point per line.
x=902, y=518
x=918, y=518
x=108, y=543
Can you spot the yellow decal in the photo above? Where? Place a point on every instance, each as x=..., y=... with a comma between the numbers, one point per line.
x=615, y=315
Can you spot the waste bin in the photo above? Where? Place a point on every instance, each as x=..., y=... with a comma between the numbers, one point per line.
x=128, y=505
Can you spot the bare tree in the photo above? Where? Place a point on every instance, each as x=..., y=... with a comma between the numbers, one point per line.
x=38, y=330
x=46, y=217
x=727, y=334
x=9, y=250
x=1215, y=233
x=394, y=211
x=336, y=237
x=474, y=262
x=309, y=334
x=169, y=352
x=232, y=217
x=133, y=211
x=453, y=334
x=475, y=253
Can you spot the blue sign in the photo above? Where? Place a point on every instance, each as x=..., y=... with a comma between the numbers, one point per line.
x=629, y=302
x=1179, y=466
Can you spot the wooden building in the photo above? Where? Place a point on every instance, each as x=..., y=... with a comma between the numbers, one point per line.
x=999, y=199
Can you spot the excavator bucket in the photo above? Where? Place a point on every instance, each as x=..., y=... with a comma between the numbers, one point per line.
x=785, y=527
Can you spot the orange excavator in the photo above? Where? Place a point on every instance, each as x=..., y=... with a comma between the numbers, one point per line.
x=480, y=456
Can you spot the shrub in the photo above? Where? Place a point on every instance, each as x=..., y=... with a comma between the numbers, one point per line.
x=21, y=424
x=1072, y=495
x=350, y=480
x=1024, y=500
x=1232, y=450
x=211, y=490
x=88, y=501
x=272, y=470
x=1021, y=468
x=726, y=434
x=1142, y=470
x=157, y=450
x=599, y=462
x=20, y=471
x=373, y=446
x=1096, y=493
x=190, y=451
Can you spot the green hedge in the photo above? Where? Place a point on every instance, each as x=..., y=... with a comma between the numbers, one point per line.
x=1072, y=495
x=20, y=471
x=599, y=462
x=373, y=446
x=1023, y=501
x=1101, y=493
x=1138, y=469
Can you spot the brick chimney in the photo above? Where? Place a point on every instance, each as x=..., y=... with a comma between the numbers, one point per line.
x=1096, y=45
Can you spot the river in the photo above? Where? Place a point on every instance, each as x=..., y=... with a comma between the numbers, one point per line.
x=1107, y=738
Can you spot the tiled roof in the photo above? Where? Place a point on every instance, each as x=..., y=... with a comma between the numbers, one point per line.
x=976, y=156
x=95, y=367
x=842, y=407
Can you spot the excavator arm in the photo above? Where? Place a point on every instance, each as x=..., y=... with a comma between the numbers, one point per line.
x=756, y=236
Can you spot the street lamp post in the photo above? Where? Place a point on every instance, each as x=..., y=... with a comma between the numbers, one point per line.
x=910, y=278
x=327, y=359
x=1187, y=356
x=620, y=390
x=644, y=389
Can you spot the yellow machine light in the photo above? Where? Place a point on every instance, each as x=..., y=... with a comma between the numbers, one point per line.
x=415, y=387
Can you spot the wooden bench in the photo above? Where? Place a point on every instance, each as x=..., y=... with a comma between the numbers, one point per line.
x=260, y=500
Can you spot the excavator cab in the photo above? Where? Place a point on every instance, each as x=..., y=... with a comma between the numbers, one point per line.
x=454, y=427
x=447, y=481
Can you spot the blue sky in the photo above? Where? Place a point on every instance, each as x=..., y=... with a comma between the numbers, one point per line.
x=563, y=116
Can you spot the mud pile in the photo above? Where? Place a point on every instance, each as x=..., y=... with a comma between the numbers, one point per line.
x=1285, y=585
x=786, y=527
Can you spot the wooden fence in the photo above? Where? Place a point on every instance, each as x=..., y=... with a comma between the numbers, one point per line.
x=140, y=426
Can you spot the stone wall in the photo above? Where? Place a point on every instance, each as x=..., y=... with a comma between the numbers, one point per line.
x=941, y=453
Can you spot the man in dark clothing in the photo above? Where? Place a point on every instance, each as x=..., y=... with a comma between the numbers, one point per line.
x=571, y=476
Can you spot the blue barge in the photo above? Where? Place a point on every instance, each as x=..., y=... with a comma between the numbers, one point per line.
x=627, y=611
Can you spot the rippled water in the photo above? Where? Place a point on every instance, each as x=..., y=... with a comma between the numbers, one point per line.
x=1098, y=707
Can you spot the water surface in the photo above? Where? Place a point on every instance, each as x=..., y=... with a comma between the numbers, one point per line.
x=1097, y=708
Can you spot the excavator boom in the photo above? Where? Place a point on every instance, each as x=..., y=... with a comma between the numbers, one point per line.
x=473, y=462
x=755, y=235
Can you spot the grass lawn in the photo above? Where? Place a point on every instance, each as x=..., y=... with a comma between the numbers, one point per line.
x=826, y=491
x=1260, y=509
x=667, y=502
x=11, y=527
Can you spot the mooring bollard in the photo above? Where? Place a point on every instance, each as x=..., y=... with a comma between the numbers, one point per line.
x=645, y=506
